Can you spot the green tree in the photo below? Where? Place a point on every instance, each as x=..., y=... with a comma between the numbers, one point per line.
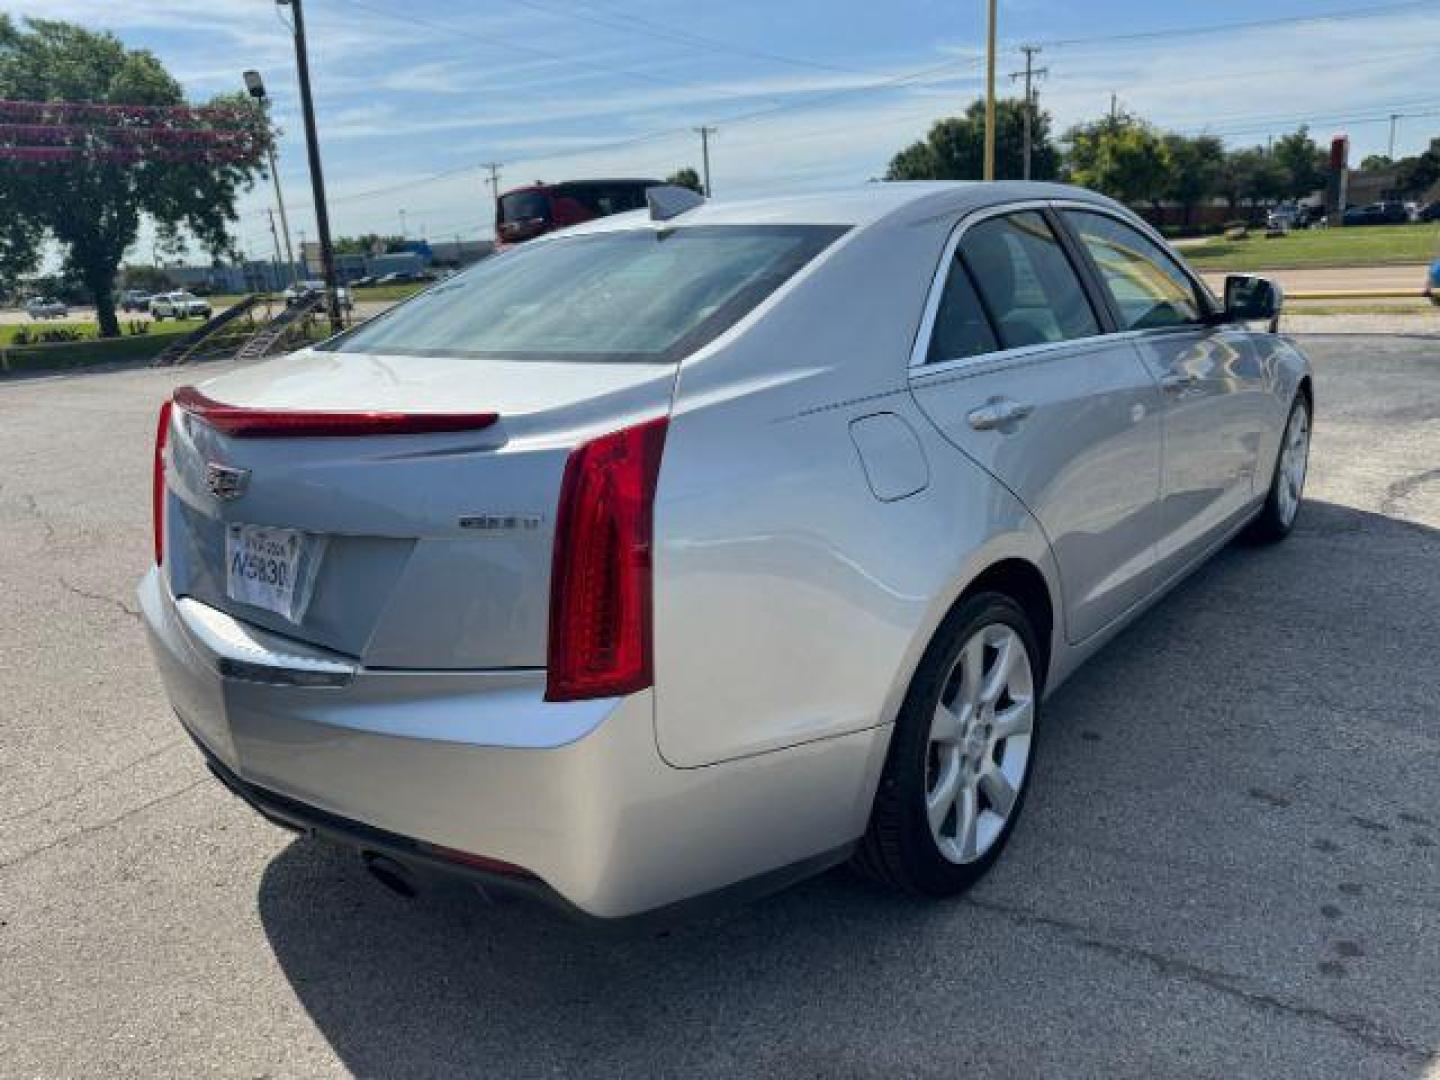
x=1122, y=156
x=1416, y=175
x=92, y=204
x=1302, y=163
x=686, y=178
x=955, y=147
x=1192, y=169
x=1252, y=175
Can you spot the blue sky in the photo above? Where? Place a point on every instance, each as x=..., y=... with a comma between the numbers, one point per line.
x=413, y=95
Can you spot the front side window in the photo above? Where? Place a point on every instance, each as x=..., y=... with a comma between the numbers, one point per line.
x=631, y=295
x=1026, y=281
x=1149, y=290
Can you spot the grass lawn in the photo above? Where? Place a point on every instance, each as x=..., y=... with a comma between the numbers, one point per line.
x=1376, y=245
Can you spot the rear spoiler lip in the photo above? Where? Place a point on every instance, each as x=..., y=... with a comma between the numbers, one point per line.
x=242, y=422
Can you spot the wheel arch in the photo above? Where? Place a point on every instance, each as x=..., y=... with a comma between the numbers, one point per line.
x=1023, y=582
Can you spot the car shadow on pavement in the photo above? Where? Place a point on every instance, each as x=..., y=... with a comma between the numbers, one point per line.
x=1226, y=867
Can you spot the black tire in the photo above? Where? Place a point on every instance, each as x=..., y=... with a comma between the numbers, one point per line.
x=899, y=848
x=1271, y=526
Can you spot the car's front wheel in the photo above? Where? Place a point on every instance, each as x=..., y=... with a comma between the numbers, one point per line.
x=961, y=754
x=1287, y=483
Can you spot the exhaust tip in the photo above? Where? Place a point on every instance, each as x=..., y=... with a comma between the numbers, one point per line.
x=390, y=874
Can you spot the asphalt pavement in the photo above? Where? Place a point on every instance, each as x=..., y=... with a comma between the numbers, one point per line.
x=1229, y=865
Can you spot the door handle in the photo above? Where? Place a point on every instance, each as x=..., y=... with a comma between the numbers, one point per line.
x=997, y=413
x=1176, y=381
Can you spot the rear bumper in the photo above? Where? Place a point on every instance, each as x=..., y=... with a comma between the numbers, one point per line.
x=575, y=793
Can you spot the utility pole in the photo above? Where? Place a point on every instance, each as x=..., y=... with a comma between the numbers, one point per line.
x=317, y=176
x=403, y=234
x=990, y=95
x=494, y=181
x=1394, y=116
x=1030, y=73
x=705, y=133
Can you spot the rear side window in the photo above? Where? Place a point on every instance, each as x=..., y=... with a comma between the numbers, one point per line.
x=961, y=326
x=632, y=295
x=1026, y=281
x=1149, y=290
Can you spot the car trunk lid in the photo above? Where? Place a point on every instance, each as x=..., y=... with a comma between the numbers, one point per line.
x=431, y=546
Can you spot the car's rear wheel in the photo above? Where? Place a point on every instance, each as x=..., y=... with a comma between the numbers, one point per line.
x=1287, y=483
x=961, y=755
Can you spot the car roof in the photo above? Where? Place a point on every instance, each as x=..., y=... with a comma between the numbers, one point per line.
x=867, y=204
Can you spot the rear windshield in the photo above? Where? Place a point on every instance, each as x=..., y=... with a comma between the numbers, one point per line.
x=524, y=206
x=637, y=295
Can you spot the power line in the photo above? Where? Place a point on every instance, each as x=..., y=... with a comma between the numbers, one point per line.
x=1252, y=24
x=633, y=23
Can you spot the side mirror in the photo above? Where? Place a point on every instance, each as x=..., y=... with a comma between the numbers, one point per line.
x=1251, y=299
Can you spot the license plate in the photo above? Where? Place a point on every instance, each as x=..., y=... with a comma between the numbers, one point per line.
x=272, y=569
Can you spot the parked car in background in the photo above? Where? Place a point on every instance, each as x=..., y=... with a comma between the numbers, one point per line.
x=705, y=552
x=135, y=300
x=524, y=213
x=1284, y=217
x=1429, y=212
x=1376, y=213
x=178, y=305
x=305, y=289
x=45, y=307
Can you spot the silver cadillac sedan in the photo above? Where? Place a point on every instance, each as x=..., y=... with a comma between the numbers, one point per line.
x=700, y=548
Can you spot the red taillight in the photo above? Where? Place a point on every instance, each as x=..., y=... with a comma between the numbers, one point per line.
x=600, y=583
x=157, y=482
x=241, y=422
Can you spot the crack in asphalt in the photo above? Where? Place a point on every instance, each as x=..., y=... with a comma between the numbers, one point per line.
x=1359, y=1028
x=93, y=781
x=1401, y=490
x=100, y=826
x=33, y=509
x=102, y=598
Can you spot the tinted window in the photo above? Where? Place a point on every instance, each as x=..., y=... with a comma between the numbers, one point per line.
x=632, y=295
x=1148, y=288
x=961, y=327
x=524, y=206
x=602, y=200
x=1029, y=287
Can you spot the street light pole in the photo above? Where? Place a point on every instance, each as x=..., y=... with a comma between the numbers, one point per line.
x=990, y=96
x=256, y=86
x=317, y=177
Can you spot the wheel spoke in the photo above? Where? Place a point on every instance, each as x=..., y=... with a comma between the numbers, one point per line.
x=1018, y=719
x=939, y=801
x=998, y=790
x=999, y=675
x=945, y=728
x=967, y=817
x=972, y=672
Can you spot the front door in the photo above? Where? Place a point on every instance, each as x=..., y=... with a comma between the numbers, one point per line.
x=1013, y=366
x=1209, y=375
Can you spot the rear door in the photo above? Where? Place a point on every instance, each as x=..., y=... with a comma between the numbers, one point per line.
x=1216, y=404
x=1013, y=365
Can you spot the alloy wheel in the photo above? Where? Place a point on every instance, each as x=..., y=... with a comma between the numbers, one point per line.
x=979, y=744
x=1294, y=459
